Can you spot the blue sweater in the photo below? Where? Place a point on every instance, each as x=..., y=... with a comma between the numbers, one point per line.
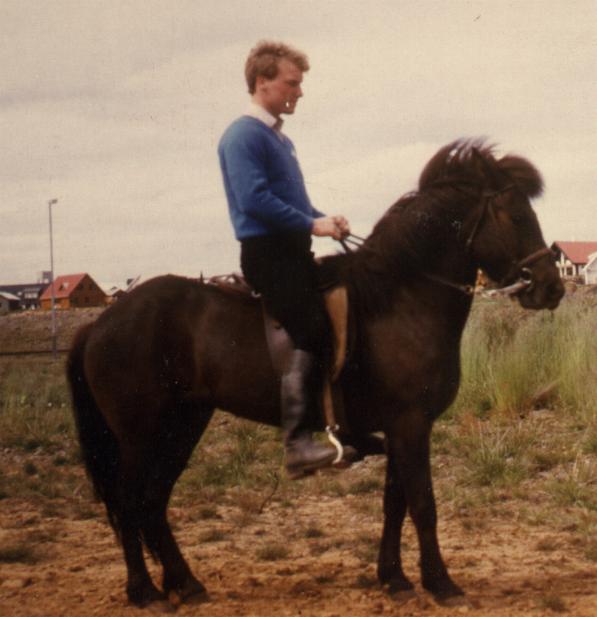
x=263, y=181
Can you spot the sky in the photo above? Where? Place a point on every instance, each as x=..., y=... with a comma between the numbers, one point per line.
x=115, y=109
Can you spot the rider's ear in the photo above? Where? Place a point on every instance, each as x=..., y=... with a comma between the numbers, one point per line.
x=261, y=83
x=526, y=177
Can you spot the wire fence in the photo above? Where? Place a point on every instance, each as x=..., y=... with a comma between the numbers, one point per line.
x=32, y=352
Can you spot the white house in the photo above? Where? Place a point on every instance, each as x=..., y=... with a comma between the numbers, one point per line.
x=590, y=270
x=573, y=257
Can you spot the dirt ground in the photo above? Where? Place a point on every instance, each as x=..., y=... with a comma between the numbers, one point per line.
x=506, y=568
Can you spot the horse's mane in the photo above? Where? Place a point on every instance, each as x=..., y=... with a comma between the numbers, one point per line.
x=473, y=161
x=413, y=233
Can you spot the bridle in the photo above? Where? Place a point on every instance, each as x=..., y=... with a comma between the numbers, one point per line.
x=519, y=271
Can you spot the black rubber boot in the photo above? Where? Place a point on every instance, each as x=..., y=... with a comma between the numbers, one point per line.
x=299, y=392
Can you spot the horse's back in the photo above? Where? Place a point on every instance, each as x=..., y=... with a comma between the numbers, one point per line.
x=173, y=338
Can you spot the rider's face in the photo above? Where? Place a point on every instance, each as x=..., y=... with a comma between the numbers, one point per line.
x=280, y=94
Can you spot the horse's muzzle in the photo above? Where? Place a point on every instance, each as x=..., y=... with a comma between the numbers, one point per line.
x=542, y=294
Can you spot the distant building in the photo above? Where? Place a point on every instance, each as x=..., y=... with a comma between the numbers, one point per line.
x=9, y=302
x=73, y=291
x=113, y=293
x=29, y=294
x=573, y=257
x=590, y=270
x=45, y=276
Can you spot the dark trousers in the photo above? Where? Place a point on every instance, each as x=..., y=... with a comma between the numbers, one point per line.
x=282, y=269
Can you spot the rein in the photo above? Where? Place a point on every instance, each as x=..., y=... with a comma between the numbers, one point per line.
x=351, y=239
x=521, y=267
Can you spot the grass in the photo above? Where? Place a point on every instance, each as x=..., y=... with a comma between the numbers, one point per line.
x=510, y=355
x=523, y=430
x=272, y=551
x=366, y=485
x=494, y=456
x=34, y=406
x=233, y=453
x=576, y=486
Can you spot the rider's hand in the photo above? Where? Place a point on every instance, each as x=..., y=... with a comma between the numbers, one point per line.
x=343, y=225
x=334, y=226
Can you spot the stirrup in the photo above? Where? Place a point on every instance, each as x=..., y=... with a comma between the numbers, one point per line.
x=331, y=433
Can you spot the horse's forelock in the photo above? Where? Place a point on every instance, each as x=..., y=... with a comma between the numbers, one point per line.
x=523, y=174
x=436, y=167
x=459, y=160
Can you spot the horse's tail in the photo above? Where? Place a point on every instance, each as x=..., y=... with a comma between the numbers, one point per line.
x=99, y=447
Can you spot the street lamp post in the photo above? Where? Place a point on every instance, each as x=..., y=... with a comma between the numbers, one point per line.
x=52, y=291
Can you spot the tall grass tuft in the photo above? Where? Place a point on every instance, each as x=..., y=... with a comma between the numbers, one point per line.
x=239, y=454
x=510, y=355
x=34, y=405
x=495, y=456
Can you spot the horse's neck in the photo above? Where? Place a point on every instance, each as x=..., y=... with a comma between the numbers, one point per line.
x=442, y=252
x=442, y=283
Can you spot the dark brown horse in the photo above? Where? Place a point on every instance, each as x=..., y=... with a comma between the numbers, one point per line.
x=148, y=374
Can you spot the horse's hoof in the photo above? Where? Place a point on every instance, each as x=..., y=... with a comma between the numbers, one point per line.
x=146, y=596
x=197, y=598
x=193, y=592
x=455, y=602
x=402, y=596
x=400, y=586
x=160, y=607
x=446, y=592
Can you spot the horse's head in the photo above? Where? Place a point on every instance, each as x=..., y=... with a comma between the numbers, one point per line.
x=503, y=233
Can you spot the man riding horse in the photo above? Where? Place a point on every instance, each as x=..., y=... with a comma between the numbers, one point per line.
x=274, y=220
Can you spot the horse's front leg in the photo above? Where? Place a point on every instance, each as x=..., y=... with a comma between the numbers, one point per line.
x=389, y=564
x=409, y=450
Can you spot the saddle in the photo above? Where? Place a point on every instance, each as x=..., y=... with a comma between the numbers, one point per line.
x=336, y=303
x=279, y=344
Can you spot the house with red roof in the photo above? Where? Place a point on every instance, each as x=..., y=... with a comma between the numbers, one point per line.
x=73, y=291
x=575, y=260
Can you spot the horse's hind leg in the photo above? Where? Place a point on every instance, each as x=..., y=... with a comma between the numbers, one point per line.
x=139, y=588
x=178, y=437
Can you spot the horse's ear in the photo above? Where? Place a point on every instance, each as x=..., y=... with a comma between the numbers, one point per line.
x=488, y=168
x=523, y=174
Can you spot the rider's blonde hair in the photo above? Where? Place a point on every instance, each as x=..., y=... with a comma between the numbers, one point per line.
x=264, y=57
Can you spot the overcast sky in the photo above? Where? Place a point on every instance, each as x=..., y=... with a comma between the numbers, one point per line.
x=115, y=108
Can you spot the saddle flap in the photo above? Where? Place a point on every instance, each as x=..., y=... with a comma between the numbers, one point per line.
x=336, y=303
